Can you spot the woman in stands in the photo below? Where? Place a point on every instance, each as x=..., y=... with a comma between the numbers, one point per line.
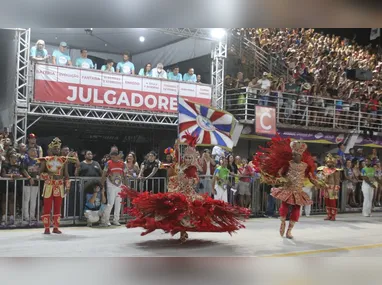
x=145, y=71
x=182, y=210
x=132, y=167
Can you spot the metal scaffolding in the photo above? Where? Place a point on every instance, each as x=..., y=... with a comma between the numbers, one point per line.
x=113, y=116
x=22, y=89
x=219, y=54
x=28, y=112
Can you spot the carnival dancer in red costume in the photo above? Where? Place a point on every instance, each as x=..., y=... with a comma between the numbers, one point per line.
x=331, y=178
x=182, y=210
x=287, y=164
x=55, y=173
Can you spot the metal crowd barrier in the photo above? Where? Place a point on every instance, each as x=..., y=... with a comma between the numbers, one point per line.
x=304, y=110
x=13, y=192
x=261, y=203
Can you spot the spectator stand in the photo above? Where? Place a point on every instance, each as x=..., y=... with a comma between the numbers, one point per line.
x=257, y=57
x=298, y=111
x=29, y=112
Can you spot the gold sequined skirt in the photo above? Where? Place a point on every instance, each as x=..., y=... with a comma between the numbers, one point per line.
x=292, y=197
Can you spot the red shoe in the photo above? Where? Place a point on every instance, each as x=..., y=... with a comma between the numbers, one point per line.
x=47, y=231
x=56, y=231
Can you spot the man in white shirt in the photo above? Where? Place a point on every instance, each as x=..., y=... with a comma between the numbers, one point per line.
x=217, y=154
x=265, y=85
x=159, y=72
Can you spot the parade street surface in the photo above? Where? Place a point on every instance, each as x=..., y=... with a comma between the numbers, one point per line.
x=351, y=235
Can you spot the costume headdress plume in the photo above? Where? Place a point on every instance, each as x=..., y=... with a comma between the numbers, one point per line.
x=277, y=155
x=298, y=147
x=191, y=140
x=330, y=158
x=56, y=142
x=169, y=150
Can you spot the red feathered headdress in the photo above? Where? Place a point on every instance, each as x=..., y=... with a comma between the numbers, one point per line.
x=276, y=157
x=190, y=139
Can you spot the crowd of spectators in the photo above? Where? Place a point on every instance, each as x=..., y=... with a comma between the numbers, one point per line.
x=217, y=169
x=61, y=57
x=223, y=175
x=317, y=65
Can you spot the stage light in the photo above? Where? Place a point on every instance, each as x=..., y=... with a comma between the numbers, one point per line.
x=218, y=33
x=141, y=39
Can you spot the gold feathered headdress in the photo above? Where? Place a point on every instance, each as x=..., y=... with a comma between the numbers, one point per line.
x=298, y=147
x=56, y=142
x=330, y=158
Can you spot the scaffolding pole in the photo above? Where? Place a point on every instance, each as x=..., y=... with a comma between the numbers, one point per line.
x=22, y=86
x=218, y=54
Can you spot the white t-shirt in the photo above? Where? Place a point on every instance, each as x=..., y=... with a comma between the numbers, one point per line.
x=218, y=152
x=155, y=73
x=265, y=84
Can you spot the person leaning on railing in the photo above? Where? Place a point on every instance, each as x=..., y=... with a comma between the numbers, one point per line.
x=148, y=170
x=38, y=53
x=108, y=67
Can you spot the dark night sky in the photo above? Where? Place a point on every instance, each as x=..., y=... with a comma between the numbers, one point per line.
x=363, y=35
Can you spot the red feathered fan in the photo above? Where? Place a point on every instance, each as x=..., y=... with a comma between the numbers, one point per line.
x=276, y=157
x=190, y=139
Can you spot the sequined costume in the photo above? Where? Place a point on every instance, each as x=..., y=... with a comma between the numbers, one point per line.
x=291, y=191
x=182, y=210
x=278, y=165
x=330, y=177
x=56, y=180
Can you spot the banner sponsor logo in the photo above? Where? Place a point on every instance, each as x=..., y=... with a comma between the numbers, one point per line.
x=265, y=120
x=93, y=88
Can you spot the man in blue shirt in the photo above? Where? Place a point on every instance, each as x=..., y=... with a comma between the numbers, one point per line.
x=38, y=52
x=31, y=187
x=61, y=56
x=341, y=154
x=125, y=66
x=190, y=76
x=95, y=202
x=84, y=61
x=359, y=155
x=175, y=75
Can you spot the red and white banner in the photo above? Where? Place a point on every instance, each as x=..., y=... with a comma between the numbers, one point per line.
x=95, y=88
x=265, y=120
